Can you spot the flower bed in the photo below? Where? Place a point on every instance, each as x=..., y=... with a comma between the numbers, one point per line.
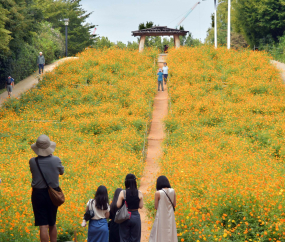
x=96, y=109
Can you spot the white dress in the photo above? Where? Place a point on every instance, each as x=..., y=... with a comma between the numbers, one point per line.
x=164, y=226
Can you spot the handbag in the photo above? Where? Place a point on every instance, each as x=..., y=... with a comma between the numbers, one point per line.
x=56, y=196
x=169, y=200
x=90, y=213
x=122, y=214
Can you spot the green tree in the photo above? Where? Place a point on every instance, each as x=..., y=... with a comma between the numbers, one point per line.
x=79, y=36
x=256, y=19
x=103, y=42
x=5, y=35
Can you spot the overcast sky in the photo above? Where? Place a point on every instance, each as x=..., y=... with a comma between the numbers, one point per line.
x=117, y=18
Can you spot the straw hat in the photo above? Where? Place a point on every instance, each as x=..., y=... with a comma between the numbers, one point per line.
x=43, y=146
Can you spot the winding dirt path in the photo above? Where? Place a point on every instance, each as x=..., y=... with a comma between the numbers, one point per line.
x=29, y=82
x=154, y=152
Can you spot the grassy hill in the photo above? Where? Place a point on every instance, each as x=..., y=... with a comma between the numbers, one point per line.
x=96, y=108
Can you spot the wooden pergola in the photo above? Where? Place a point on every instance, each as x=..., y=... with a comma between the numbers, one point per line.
x=159, y=31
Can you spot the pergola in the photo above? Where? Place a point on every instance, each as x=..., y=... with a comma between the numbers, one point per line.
x=159, y=31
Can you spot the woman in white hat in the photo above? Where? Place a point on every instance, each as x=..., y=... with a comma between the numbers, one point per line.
x=44, y=210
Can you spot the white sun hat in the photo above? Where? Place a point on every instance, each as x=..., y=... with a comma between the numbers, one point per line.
x=43, y=146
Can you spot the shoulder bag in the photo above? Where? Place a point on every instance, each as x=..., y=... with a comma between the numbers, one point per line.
x=90, y=213
x=57, y=197
x=122, y=214
x=169, y=200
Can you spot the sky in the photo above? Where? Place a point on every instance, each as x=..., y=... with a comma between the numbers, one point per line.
x=117, y=18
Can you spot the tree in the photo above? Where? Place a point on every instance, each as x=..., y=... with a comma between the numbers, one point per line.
x=5, y=35
x=222, y=22
x=79, y=36
x=255, y=19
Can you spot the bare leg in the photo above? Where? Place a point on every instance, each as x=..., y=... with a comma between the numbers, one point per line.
x=44, y=233
x=53, y=233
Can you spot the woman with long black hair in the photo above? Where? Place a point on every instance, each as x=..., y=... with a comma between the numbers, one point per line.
x=164, y=226
x=130, y=230
x=98, y=226
x=114, y=234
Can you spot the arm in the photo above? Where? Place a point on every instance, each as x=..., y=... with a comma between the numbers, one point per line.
x=156, y=199
x=120, y=199
x=141, y=200
x=44, y=60
x=38, y=61
x=12, y=82
x=107, y=214
x=60, y=168
x=83, y=224
x=174, y=202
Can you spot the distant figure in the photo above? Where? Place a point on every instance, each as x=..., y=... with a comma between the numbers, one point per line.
x=98, y=226
x=41, y=62
x=44, y=210
x=160, y=80
x=165, y=48
x=9, y=85
x=130, y=230
x=114, y=234
x=164, y=226
x=165, y=72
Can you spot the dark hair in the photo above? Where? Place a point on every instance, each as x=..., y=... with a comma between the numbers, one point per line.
x=130, y=182
x=113, y=206
x=162, y=182
x=101, y=198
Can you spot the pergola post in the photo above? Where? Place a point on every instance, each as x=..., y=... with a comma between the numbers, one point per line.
x=141, y=45
x=176, y=41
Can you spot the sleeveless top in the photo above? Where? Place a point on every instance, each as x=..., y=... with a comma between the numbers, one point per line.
x=132, y=201
x=164, y=226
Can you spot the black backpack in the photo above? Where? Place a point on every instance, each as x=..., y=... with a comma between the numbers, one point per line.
x=9, y=81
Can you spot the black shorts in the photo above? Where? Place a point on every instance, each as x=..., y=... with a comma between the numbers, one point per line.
x=44, y=210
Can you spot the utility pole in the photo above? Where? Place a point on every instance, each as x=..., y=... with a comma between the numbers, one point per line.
x=216, y=38
x=229, y=24
x=66, y=21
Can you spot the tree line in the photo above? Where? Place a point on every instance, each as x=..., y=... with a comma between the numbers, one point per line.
x=258, y=24
x=30, y=26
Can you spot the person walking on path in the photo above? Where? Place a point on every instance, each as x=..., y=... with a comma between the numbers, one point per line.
x=98, y=226
x=165, y=72
x=114, y=234
x=41, y=62
x=44, y=210
x=160, y=80
x=164, y=226
x=9, y=85
x=130, y=230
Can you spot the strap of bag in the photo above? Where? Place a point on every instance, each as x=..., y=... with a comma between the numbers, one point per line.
x=169, y=200
x=90, y=205
x=37, y=161
x=125, y=197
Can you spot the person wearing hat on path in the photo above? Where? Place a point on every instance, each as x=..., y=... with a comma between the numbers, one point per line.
x=41, y=62
x=160, y=79
x=44, y=210
x=9, y=85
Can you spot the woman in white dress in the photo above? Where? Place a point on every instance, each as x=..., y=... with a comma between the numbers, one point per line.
x=164, y=226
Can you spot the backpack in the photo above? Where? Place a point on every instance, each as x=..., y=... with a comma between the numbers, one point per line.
x=9, y=81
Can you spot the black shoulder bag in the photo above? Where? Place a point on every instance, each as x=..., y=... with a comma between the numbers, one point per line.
x=169, y=200
x=90, y=213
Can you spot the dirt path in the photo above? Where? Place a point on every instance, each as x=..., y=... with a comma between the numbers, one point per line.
x=280, y=66
x=154, y=152
x=29, y=82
